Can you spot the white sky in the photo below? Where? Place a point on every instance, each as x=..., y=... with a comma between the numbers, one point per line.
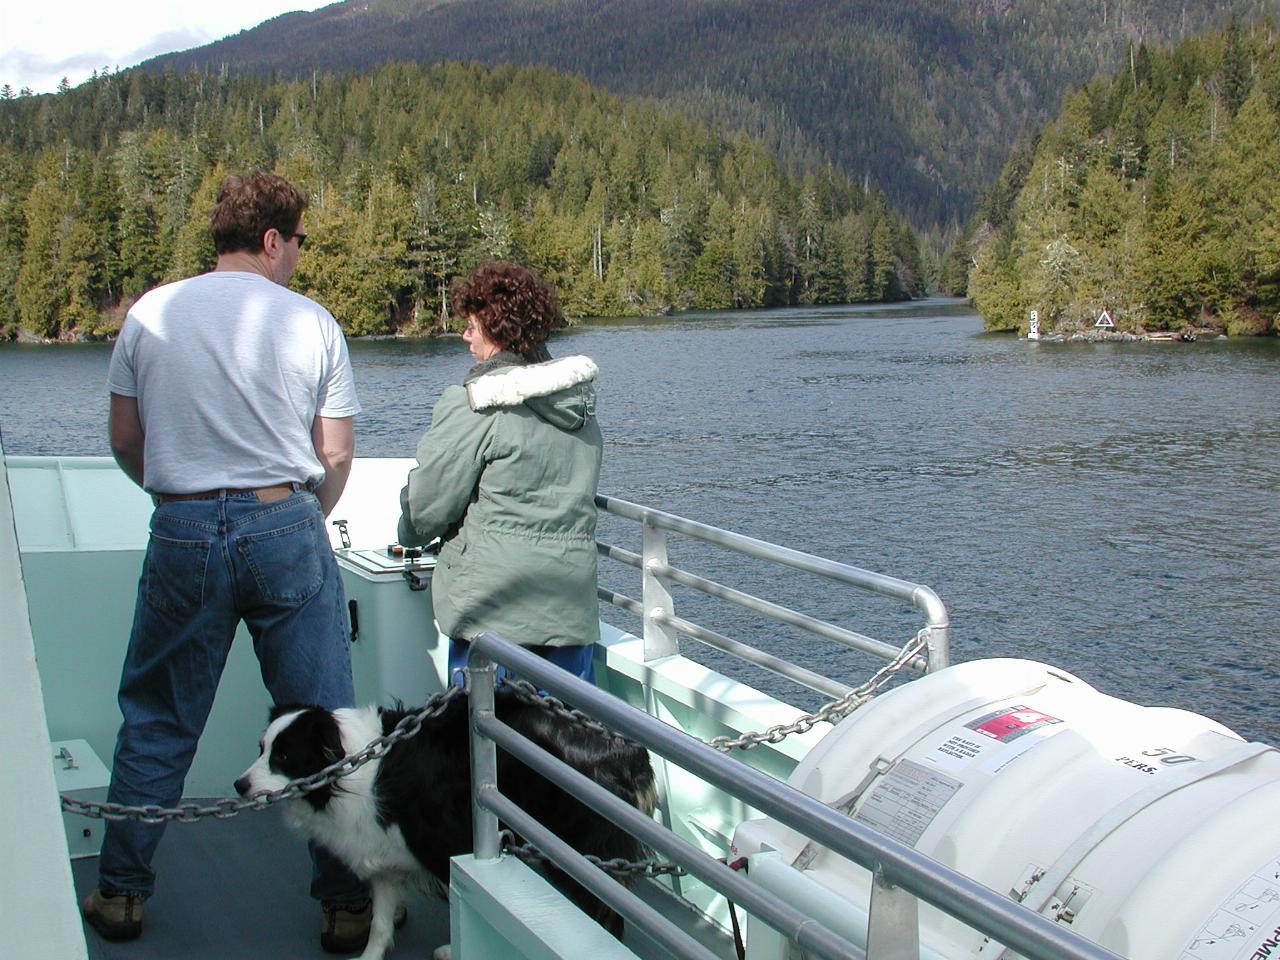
x=42, y=41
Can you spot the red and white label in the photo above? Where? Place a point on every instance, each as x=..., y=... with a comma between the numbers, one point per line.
x=1011, y=723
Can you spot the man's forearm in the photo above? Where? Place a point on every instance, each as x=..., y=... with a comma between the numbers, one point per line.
x=335, y=481
x=335, y=444
x=124, y=430
x=130, y=461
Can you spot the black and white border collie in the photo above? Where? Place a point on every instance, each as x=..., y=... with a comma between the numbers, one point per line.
x=398, y=819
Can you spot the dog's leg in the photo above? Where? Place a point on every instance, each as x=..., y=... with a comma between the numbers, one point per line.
x=386, y=892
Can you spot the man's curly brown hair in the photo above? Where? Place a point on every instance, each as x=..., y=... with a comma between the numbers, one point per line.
x=249, y=205
x=514, y=306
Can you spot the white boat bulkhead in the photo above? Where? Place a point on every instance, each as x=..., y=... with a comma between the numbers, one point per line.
x=1150, y=831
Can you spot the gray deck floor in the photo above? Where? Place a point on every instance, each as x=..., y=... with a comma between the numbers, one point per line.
x=238, y=889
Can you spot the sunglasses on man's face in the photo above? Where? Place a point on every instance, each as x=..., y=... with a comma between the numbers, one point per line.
x=299, y=236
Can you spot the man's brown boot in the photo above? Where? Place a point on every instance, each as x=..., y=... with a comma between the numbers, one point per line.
x=346, y=926
x=116, y=916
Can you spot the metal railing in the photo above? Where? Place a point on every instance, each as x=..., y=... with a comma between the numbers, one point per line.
x=662, y=625
x=901, y=875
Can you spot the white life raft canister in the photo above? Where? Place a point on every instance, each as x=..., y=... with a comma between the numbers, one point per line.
x=1152, y=831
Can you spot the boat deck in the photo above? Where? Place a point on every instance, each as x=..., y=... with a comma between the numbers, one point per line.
x=238, y=888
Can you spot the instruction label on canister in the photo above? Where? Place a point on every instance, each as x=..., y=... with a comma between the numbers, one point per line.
x=905, y=801
x=1246, y=925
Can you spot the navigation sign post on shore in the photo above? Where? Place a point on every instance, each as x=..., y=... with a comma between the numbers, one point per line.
x=1033, y=333
x=1104, y=320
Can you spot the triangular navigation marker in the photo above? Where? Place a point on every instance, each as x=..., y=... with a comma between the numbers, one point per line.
x=1104, y=320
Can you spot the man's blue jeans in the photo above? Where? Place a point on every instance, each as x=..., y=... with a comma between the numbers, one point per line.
x=580, y=661
x=209, y=564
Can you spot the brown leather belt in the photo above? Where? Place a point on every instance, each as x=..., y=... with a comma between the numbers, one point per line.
x=266, y=494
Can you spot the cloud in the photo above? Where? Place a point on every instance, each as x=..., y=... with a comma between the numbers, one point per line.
x=37, y=39
x=169, y=42
x=44, y=72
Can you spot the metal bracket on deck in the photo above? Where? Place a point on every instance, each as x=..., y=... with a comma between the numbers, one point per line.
x=893, y=929
x=416, y=580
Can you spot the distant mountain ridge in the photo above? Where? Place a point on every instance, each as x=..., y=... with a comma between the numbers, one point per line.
x=926, y=99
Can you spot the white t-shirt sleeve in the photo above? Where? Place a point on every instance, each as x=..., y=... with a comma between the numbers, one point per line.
x=120, y=374
x=337, y=397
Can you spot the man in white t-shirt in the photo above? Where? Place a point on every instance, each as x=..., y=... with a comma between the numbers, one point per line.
x=232, y=404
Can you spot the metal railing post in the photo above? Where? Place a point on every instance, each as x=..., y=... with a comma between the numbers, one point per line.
x=938, y=625
x=482, y=675
x=893, y=922
x=659, y=635
x=662, y=628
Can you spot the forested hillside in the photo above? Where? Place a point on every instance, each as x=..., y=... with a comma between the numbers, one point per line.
x=925, y=99
x=415, y=174
x=1155, y=195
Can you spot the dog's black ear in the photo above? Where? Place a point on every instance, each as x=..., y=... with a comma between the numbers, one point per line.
x=278, y=710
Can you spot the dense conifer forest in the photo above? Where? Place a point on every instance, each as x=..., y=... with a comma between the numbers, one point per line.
x=1154, y=195
x=923, y=99
x=415, y=174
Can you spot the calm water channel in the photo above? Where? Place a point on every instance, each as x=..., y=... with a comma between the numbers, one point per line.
x=1113, y=509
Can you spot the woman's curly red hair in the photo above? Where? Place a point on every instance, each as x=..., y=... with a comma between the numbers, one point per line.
x=514, y=306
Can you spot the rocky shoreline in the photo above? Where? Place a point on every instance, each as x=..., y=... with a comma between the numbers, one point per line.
x=1112, y=336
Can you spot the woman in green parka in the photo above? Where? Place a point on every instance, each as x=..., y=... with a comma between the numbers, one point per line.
x=507, y=477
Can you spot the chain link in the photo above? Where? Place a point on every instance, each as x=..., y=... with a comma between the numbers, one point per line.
x=832, y=712
x=228, y=807
x=616, y=867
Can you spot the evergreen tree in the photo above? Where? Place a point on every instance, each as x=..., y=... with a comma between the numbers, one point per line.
x=14, y=189
x=713, y=276
x=193, y=251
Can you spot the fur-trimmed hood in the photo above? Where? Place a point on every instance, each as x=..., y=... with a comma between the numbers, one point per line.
x=558, y=391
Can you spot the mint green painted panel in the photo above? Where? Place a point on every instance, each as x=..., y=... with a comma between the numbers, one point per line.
x=81, y=606
x=704, y=704
x=501, y=908
x=81, y=612
x=76, y=503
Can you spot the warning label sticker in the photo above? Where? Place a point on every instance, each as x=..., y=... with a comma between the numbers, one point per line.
x=905, y=800
x=1010, y=723
x=957, y=752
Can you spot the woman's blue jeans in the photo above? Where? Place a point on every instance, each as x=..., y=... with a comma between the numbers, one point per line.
x=210, y=564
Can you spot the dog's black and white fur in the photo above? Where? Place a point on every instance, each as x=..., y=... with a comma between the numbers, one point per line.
x=398, y=819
